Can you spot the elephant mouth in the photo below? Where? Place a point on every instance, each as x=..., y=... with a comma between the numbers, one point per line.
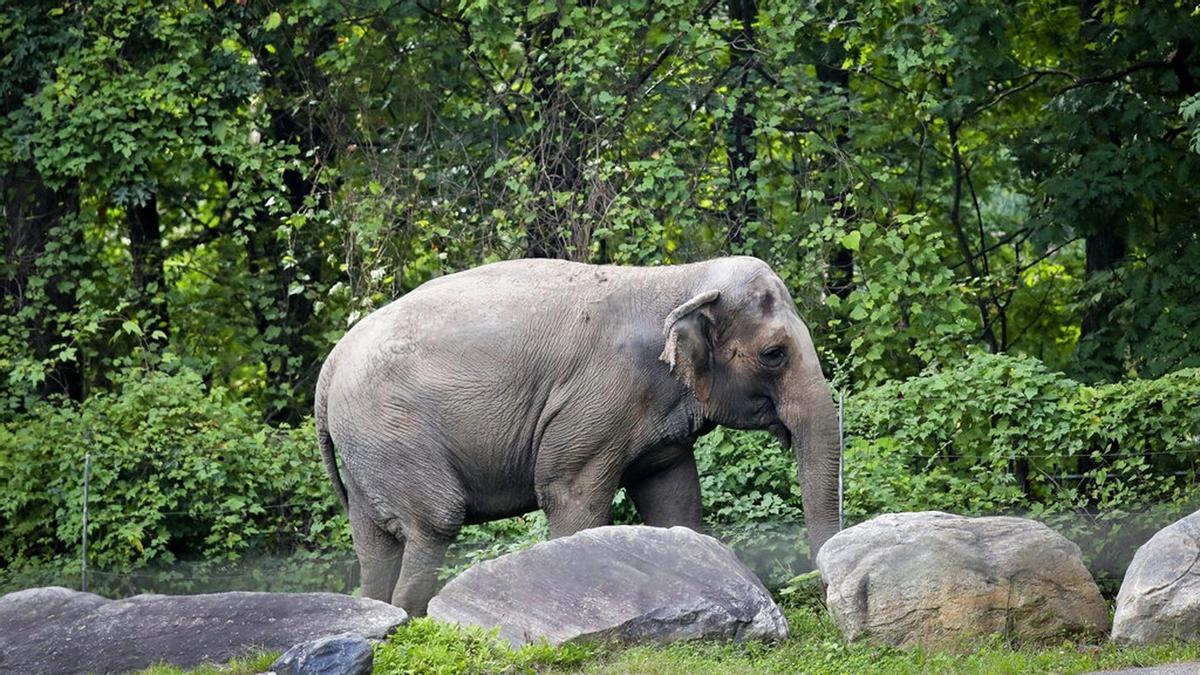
x=780, y=431
x=770, y=415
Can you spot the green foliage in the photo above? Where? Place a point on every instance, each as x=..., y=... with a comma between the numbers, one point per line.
x=1153, y=320
x=1105, y=465
x=907, y=312
x=178, y=470
x=960, y=439
x=752, y=500
x=992, y=434
x=426, y=646
x=927, y=178
x=746, y=477
x=476, y=543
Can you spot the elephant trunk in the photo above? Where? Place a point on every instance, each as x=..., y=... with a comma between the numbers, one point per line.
x=811, y=418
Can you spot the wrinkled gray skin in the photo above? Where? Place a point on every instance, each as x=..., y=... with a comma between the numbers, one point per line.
x=549, y=384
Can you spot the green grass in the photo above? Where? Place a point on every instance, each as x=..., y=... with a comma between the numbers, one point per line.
x=426, y=646
x=815, y=646
x=249, y=665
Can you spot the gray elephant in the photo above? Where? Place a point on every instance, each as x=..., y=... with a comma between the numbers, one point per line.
x=550, y=384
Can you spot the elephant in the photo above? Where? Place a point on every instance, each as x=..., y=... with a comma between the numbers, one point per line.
x=550, y=384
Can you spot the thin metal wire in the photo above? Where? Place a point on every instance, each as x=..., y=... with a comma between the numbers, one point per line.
x=841, y=461
x=83, y=570
x=175, y=577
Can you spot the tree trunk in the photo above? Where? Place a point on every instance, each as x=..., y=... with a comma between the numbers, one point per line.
x=35, y=214
x=556, y=231
x=1104, y=247
x=743, y=207
x=1103, y=250
x=836, y=81
x=146, y=250
x=282, y=317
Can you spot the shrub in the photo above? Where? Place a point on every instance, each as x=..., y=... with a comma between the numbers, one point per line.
x=1002, y=434
x=427, y=646
x=178, y=470
x=993, y=434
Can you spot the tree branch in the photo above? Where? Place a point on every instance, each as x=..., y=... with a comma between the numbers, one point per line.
x=1112, y=77
x=635, y=83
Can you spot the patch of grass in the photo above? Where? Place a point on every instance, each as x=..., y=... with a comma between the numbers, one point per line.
x=815, y=646
x=426, y=646
x=247, y=665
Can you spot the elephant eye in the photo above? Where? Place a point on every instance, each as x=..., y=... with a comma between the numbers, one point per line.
x=772, y=357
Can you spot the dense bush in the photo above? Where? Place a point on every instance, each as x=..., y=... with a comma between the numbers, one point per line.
x=179, y=470
x=995, y=434
x=999, y=433
x=1106, y=465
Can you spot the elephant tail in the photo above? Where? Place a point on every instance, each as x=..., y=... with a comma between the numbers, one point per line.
x=324, y=440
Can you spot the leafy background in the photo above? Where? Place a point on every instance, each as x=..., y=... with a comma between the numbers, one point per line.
x=986, y=212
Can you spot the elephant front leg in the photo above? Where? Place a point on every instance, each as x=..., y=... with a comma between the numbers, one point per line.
x=669, y=496
x=578, y=500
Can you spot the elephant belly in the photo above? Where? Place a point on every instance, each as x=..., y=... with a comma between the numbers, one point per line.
x=495, y=483
x=496, y=507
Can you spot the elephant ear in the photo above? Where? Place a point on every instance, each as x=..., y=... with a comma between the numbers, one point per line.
x=688, y=350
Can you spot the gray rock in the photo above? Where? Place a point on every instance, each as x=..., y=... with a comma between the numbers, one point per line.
x=345, y=654
x=1159, y=599
x=940, y=580
x=1181, y=668
x=57, y=630
x=615, y=584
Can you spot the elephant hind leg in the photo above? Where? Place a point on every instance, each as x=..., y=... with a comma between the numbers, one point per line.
x=423, y=556
x=379, y=553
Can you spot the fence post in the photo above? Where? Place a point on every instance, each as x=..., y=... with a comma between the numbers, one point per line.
x=841, y=460
x=87, y=476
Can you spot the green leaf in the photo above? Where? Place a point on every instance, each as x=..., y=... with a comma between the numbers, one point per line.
x=537, y=10
x=273, y=21
x=851, y=240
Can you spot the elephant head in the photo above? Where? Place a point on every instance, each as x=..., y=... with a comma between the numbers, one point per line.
x=743, y=351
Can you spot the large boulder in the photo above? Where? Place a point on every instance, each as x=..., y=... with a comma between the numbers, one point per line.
x=345, y=654
x=58, y=630
x=1159, y=599
x=615, y=584
x=940, y=580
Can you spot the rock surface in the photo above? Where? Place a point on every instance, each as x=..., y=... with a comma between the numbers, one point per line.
x=940, y=580
x=345, y=654
x=1181, y=668
x=58, y=630
x=615, y=584
x=1159, y=599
